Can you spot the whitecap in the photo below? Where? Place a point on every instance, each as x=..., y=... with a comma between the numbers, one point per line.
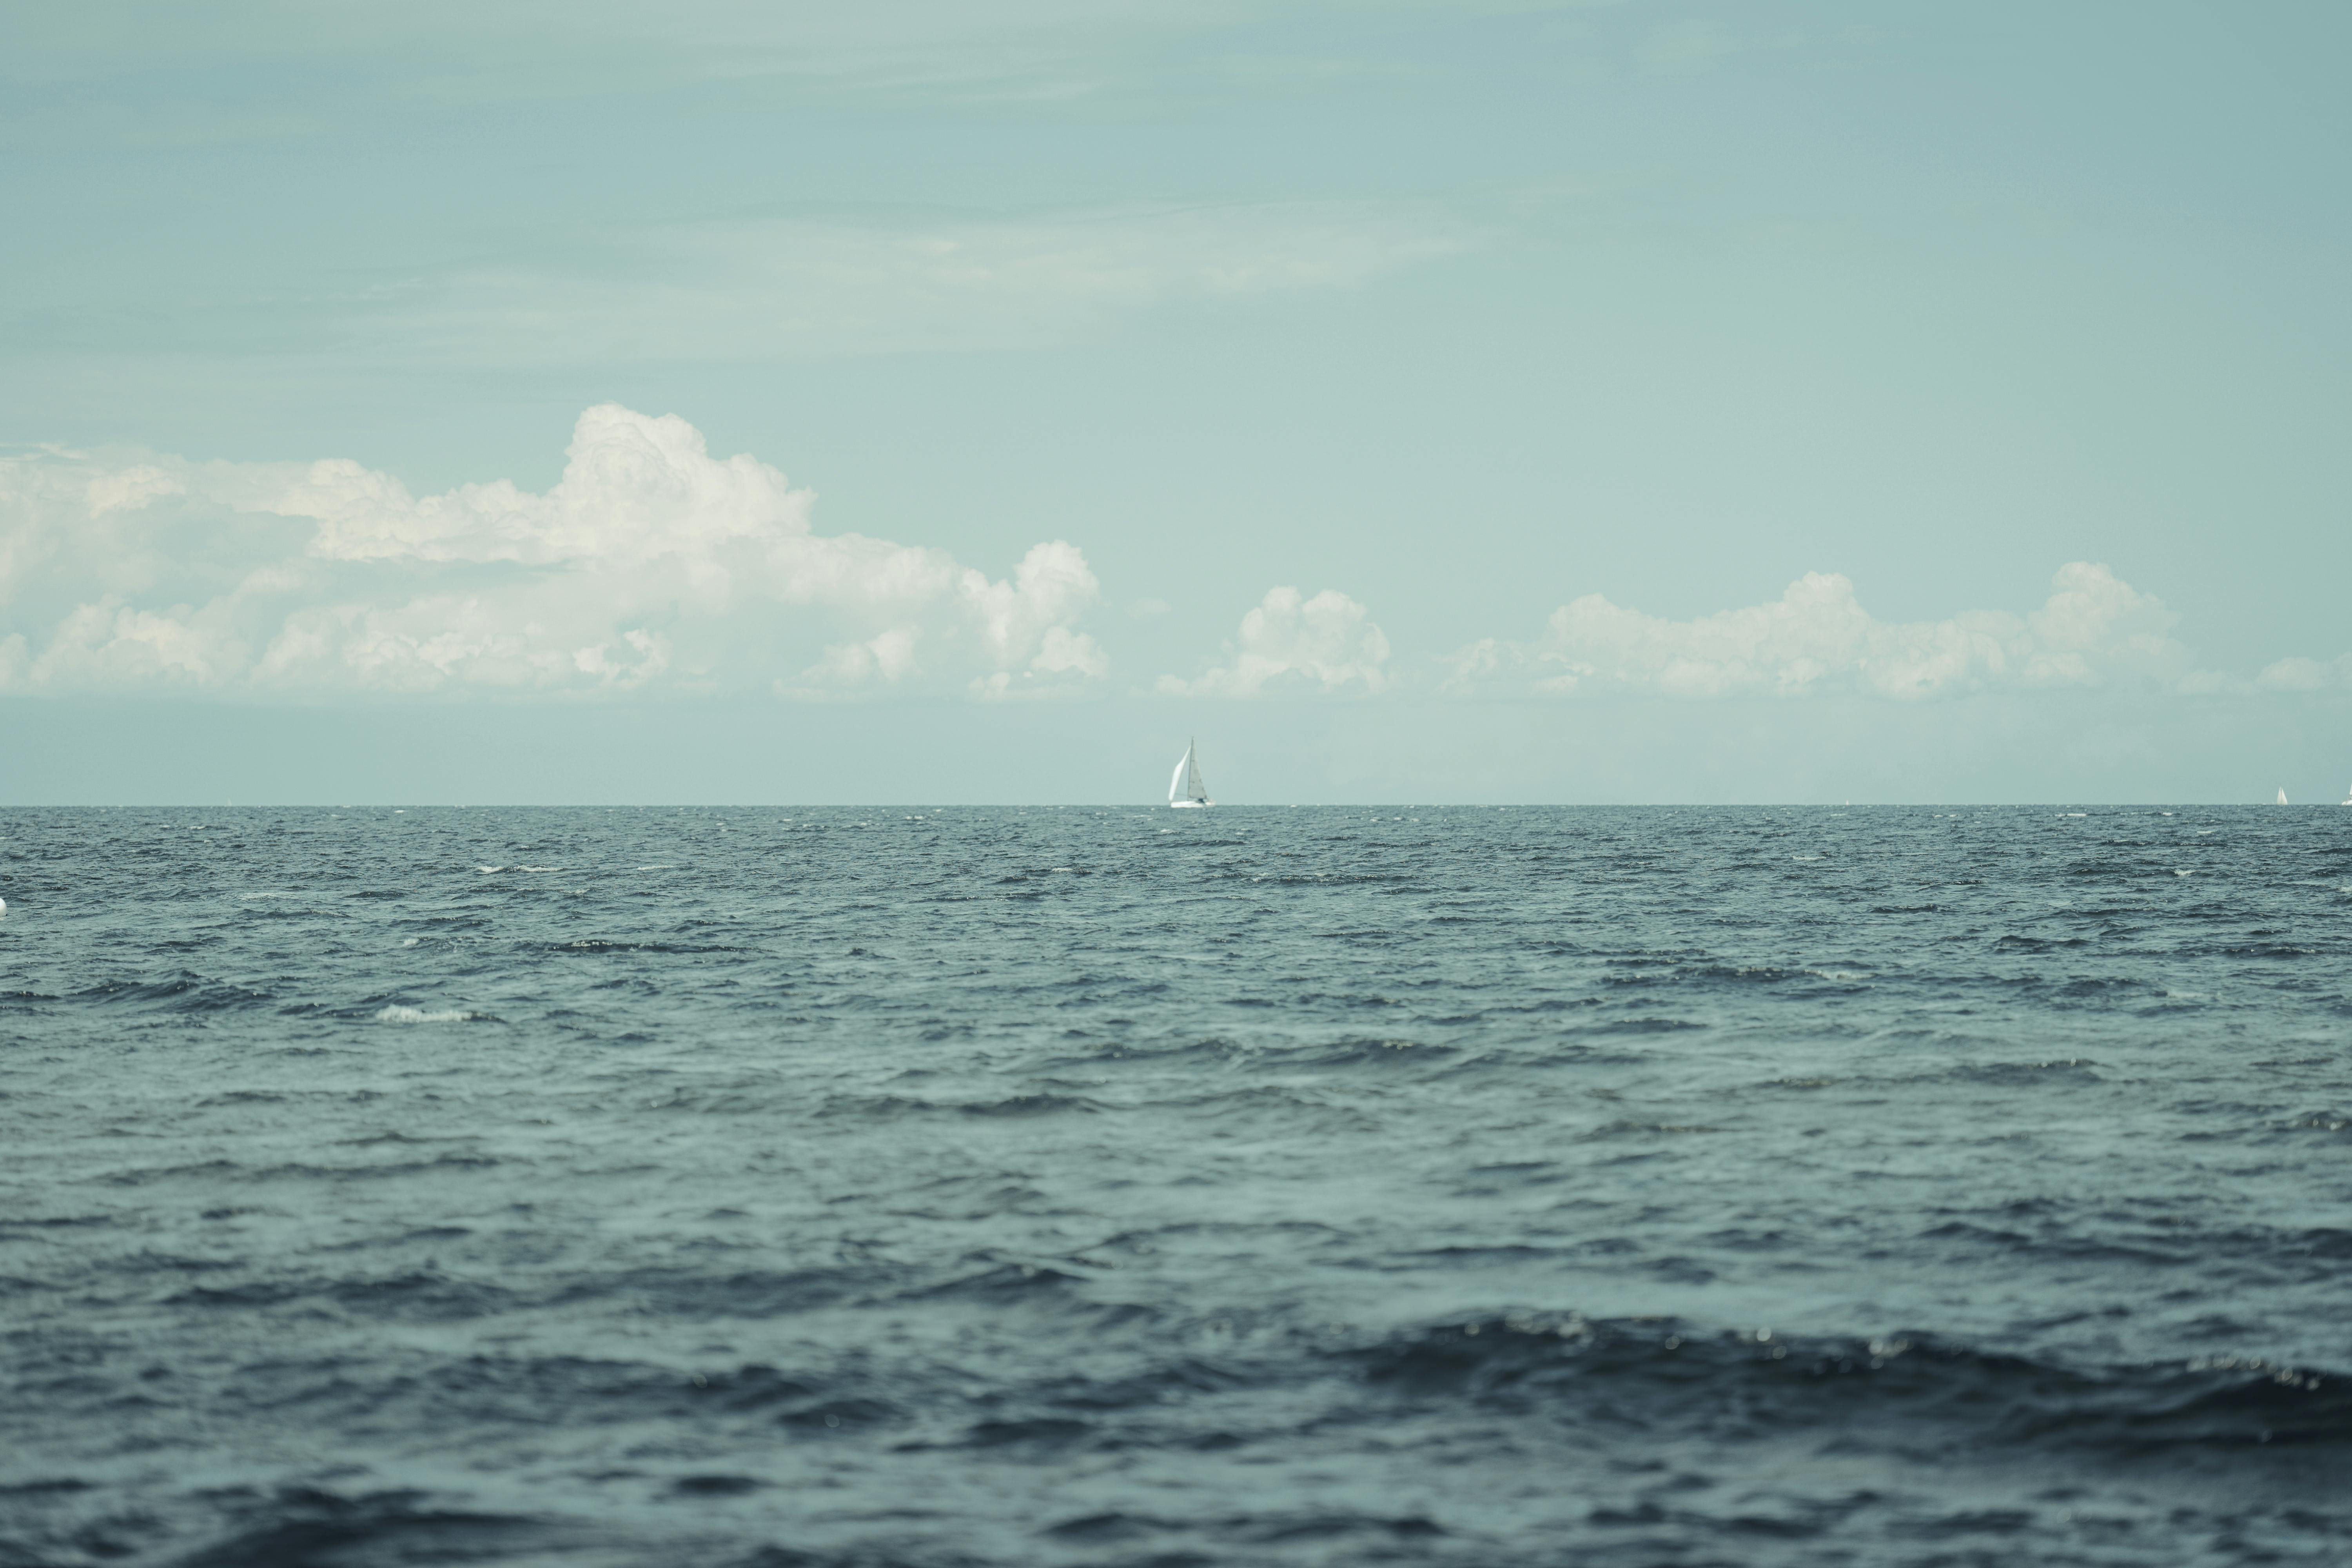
x=397, y=1015
x=2184, y=873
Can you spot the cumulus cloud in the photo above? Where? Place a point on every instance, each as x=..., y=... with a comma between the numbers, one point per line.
x=1288, y=643
x=2093, y=630
x=650, y=564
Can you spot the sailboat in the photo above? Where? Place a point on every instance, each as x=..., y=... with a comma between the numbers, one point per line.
x=1186, y=788
x=2281, y=800
x=2348, y=797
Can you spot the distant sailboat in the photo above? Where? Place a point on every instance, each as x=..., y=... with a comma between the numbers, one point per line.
x=2348, y=797
x=2281, y=800
x=1186, y=788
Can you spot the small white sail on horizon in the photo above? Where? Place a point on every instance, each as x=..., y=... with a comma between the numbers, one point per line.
x=2281, y=800
x=1185, y=788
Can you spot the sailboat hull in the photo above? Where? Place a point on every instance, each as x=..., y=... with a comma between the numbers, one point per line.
x=1189, y=805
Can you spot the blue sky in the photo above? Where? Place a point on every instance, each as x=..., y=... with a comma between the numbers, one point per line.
x=1526, y=402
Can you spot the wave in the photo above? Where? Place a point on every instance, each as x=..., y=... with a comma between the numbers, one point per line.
x=1637, y=1025
x=314, y=1526
x=1753, y=1384
x=411, y=1298
x=889, y=1107
x=1030, y=1105
x=186, y=992
x=292, y=1171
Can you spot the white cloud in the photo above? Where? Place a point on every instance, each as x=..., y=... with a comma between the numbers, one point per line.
x=651, y=563
x=760, y=289
x=2093, y=630
x=1324, y=644
x=2307, y=675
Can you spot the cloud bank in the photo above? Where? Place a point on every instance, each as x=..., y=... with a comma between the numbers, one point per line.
x=1286, y=644
x=2095, y=630
x=650, y=564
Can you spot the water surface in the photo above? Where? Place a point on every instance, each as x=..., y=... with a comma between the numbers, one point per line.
x=1475, y=1186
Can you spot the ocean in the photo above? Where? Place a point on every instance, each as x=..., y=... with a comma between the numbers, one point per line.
x=1258, y=1185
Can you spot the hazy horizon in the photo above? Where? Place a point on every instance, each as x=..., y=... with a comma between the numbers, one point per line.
x=1270, y=754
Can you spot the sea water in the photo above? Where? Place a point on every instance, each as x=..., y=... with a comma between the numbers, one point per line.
x=1119, y=1185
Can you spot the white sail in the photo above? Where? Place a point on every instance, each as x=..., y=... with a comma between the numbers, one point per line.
x=2281, y=800
x=1185, y=787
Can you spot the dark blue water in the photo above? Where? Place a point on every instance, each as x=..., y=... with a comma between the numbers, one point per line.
x=772, y=1187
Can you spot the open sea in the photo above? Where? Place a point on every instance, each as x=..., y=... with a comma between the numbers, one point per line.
x=842, y=1188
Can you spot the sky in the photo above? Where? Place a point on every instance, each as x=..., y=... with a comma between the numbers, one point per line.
x=1414, y=400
